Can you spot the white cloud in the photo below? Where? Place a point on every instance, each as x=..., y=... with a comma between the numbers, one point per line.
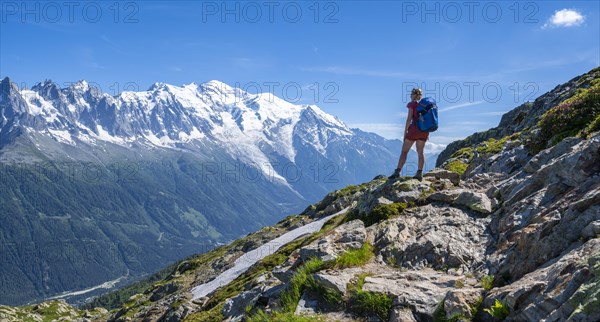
x=431, y=147
x=453, y=107
x=356, y=71
x=565, y=18
x=495, y=113
x=340, y=70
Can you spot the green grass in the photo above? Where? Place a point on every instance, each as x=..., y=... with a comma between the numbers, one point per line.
x=326, y=295
x=266, y=264
x=464, y=153
x=350, y=190
x=487, y=282
x=493, y=146
x=301, y=278
x=456, y=166
x=360, y=281
x=369, y=303
x=355, y=257
x=499, y=310
x=213, y=315
x=261, y=316
x=383, y=212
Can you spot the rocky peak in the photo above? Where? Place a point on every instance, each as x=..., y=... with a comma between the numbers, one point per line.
x=47, y=89
x=12, y=104
x=7, y=87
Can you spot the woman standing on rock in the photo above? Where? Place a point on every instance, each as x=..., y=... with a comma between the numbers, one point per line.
x=412, y=134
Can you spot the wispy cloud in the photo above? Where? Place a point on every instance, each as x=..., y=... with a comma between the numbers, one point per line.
x=495, y=113
x=341, y=70
x=249, y=63
x=451, y=128
x=453, y=107
x=112, y=45
x=355, y=71
x=565, y=18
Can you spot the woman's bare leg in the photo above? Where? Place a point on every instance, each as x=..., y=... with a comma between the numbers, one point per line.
x=405, y=148
x=421, y=153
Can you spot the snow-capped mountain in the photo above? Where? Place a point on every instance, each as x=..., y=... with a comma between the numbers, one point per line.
x=150, y=177
x=256, y=129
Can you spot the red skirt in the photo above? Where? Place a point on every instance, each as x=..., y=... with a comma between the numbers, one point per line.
x=414, y=134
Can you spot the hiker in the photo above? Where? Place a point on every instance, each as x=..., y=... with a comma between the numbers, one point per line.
x=412, y=134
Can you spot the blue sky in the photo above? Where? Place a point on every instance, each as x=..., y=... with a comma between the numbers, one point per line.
x=355, y=59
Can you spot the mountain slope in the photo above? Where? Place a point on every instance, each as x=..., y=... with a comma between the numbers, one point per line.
x=96, y=187
x=525, y=116
x=515, y=237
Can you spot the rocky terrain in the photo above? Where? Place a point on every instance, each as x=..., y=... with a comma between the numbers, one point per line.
x=507, y=228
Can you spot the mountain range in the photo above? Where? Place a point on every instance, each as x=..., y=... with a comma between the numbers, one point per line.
x=98, y=187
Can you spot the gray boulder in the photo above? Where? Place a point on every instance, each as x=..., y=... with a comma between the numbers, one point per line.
x=338, y=281
x=444, y=174
x=235, y=307
x=351, y=235
x=475, y=200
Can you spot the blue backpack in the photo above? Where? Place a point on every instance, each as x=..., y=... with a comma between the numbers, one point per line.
x=428, y=115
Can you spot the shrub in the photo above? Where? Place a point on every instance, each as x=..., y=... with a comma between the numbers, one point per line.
x=594, y=126
x=568, y=118
x=383, y=212
x=499, y=310
x=487, y=282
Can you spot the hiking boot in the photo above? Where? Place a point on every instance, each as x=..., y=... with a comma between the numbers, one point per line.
x=419, y=175
x=395, y=175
